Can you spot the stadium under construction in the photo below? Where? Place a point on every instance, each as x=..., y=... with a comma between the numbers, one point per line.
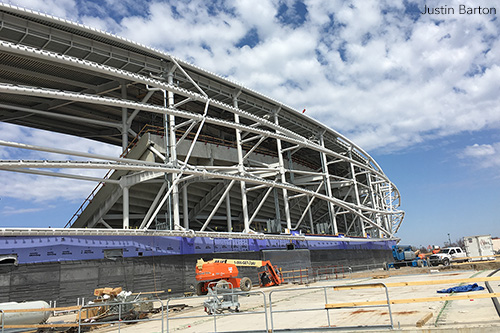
x=208, y=166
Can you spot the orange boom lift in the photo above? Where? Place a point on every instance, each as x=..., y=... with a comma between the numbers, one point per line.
x=216, y=270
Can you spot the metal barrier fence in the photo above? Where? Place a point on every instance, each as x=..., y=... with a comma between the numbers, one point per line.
x=366, y=267
x=273, y=313
x=314, y=274
x=214, y=298
x=331, y=272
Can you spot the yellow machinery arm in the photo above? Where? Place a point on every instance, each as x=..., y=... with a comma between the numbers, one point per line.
x=236, y=262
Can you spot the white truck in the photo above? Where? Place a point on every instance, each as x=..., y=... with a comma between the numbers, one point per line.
x=447, y=255
x=479, y=247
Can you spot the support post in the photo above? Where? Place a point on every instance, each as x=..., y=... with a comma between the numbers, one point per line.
x=228, y=214
x=173, y=152
x=283, y=177
x=277, y=212
x=356, y=194
x=124, y=120
x=311, y=221
x=126, y=208
x=185, y=207
x=241, y=170
x=328, y=187
x=378, y=220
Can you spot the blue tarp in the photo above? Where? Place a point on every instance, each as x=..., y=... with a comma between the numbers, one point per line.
x=461, y=289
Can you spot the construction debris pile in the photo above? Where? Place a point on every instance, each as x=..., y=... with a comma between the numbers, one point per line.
x=114, y=304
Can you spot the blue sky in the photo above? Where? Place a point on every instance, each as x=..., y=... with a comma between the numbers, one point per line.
x=419, y=92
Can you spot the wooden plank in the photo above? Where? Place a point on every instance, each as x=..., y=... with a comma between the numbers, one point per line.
x=150, y=292
x=67, y=308
x=412, y=300
x=424, y=319
x=42, y=325
x=364, y=286
x=473, y=262
x=420, y=283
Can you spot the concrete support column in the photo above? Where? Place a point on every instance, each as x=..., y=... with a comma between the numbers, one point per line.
x=328, y=187
x=126, y=208
x=241, y=170
x=283, y=178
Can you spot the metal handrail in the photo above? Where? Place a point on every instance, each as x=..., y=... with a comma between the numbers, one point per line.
x=215, y=315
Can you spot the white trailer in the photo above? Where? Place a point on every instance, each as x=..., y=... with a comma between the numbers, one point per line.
x=479, y=246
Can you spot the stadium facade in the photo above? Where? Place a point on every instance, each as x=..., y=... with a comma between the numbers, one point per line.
x=208, y=166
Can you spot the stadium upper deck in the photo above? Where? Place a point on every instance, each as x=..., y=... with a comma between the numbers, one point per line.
x=231, y=159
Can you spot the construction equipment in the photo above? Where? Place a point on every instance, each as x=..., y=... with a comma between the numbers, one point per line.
x=405, y=256
x=222, y=297
x=226, y=269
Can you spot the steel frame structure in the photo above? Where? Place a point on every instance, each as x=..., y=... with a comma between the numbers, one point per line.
x=223, y=156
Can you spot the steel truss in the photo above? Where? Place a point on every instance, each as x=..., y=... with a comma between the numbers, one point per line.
x=223, y=157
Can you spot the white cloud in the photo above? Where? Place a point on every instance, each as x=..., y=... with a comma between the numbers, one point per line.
x=479, y=150
x=60, y=8
x=9, y=210
x=485, y=155
x=44, y=188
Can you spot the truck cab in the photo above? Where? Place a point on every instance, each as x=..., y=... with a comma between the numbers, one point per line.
x=448, y=255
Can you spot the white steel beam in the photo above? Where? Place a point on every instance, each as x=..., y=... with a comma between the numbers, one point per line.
x=217, y=205
x=229, y=217
x=241, y=170
x=126, y=222
x=153, y=205
x=56, y=115
x=64, y=175
x=328, y=186
x=307, y=209
x=185, y=208
x=124, y=120
x=173, y=151
x=286, y=204
x=356, y=195
x=261, y=203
